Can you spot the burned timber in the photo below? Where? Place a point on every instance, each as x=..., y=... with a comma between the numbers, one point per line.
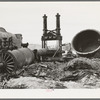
x=47, y=68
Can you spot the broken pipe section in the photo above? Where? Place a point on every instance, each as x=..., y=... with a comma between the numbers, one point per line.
x=87, y=43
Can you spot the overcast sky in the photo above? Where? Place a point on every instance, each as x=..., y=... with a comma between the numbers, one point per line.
x=26, y=18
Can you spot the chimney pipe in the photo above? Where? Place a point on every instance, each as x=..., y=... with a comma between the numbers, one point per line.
x=45, y=24
x=58, y=23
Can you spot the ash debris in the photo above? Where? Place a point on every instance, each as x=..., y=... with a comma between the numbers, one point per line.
x=78, y=73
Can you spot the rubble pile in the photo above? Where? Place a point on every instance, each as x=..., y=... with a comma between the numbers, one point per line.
x=84, y=63
x=46, y=70
x=78, y=73
x=34, y=83
x=81, y=67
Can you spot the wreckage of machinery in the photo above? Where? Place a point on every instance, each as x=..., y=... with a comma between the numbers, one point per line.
x=14, y=54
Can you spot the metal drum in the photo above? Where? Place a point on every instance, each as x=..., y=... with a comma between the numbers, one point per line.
x=87, y=43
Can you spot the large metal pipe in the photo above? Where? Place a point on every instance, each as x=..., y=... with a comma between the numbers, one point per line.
x=47, y=52
x=87, y=43
x=58, y=23
x=42, y=52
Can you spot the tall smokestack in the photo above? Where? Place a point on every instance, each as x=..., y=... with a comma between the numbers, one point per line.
x=58, y=23
x=45, y=24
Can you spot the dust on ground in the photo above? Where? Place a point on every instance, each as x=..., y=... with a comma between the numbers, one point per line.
x=75, y=74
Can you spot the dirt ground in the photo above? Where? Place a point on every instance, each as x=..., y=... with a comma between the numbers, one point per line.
x=75, y=74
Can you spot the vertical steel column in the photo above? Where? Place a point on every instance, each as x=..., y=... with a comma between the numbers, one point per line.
x=44, y=30
x=58, y=23
x=58, y=32
x=45, y=24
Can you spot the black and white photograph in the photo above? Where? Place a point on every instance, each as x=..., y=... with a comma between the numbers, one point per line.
x=49, y=45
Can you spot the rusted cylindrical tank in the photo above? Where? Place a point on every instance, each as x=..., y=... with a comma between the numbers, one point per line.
x=47, y=52
x=42, y=52
x=23, y=56
x=16, y=59
x=87, y=43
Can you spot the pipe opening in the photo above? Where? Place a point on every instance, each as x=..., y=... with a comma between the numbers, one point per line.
x=87, y=41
